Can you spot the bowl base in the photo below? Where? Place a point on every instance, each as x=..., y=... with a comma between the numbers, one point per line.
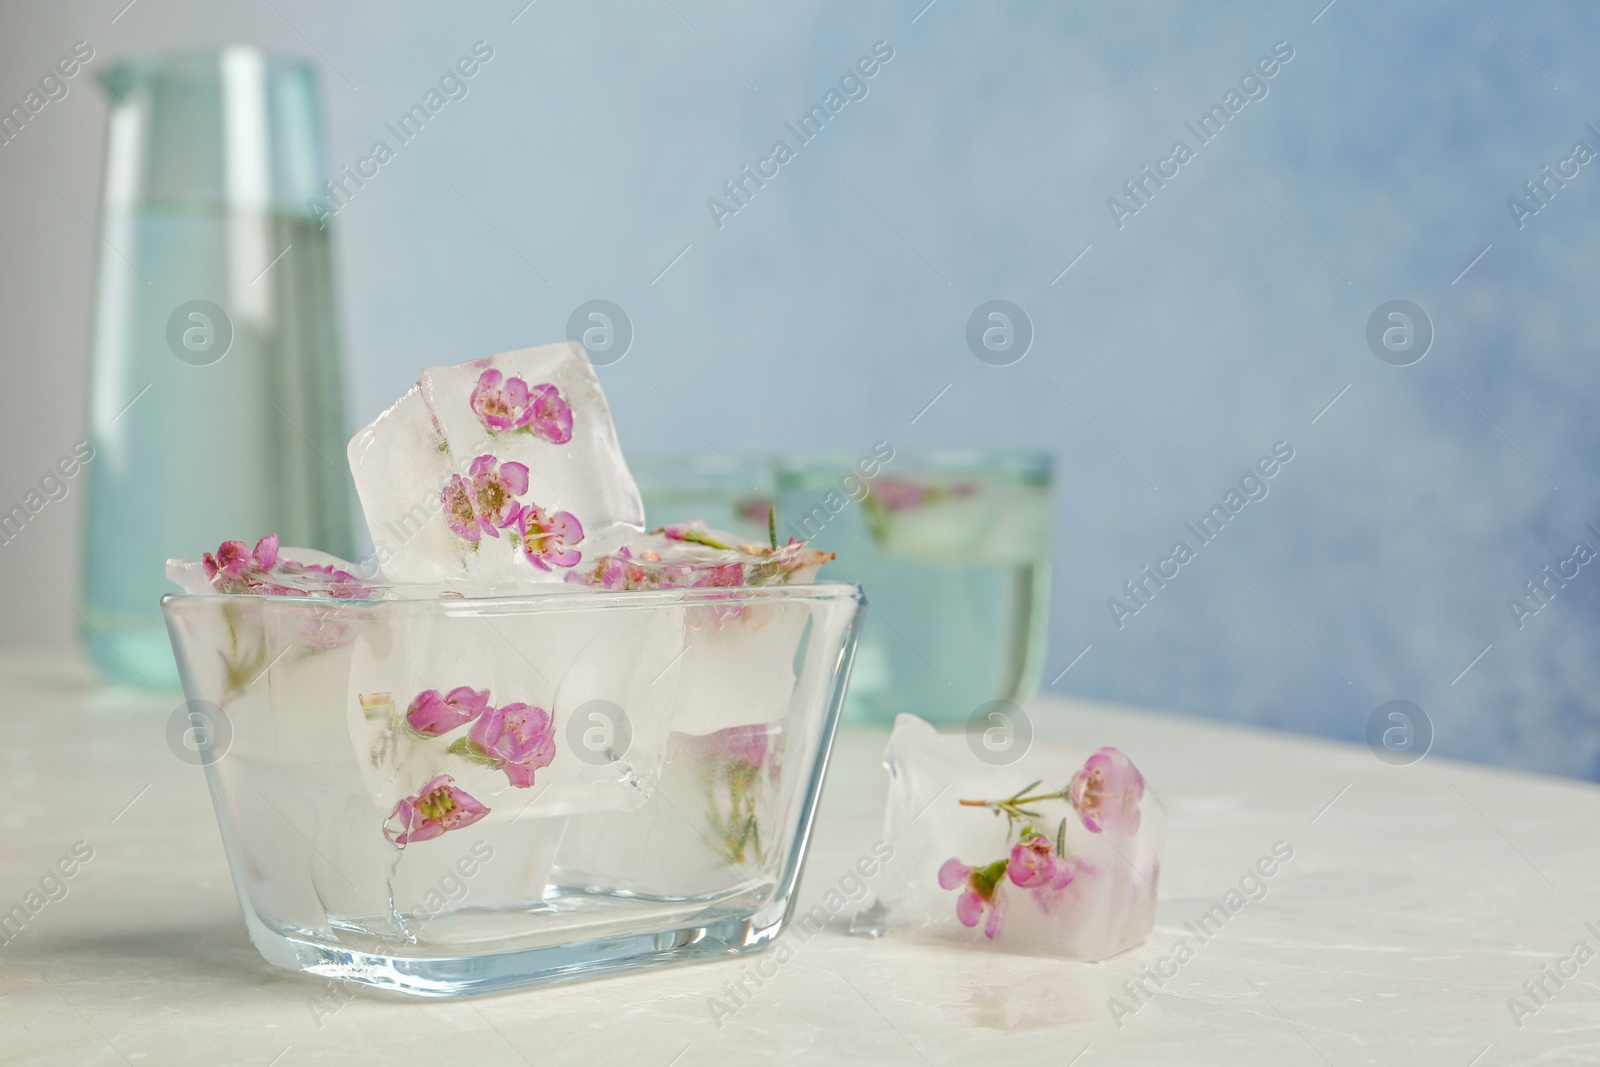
x=481, y=973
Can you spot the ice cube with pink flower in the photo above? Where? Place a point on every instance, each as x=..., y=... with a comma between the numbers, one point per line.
x=550, y=486
x=504, y=701
x=1055, y=852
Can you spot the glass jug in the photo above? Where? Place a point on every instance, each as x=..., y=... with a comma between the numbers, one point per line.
x=216, y=403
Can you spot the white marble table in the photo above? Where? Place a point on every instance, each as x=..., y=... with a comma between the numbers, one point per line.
x=1419, y=900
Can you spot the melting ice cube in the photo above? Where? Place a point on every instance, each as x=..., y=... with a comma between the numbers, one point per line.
x=1058, y=853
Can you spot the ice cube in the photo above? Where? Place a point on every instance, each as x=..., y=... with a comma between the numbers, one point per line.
x=710, y=828
x=270, y=570
x=737, y=663
x=1057, y=853
x=548, y=480
x=529, y=712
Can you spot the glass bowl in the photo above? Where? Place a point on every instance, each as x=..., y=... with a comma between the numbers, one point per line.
x=458, y=795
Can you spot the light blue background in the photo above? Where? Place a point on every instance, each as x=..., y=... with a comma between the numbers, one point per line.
x=1222, y=318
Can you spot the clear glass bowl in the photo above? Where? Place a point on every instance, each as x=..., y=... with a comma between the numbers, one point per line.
x=635, y=788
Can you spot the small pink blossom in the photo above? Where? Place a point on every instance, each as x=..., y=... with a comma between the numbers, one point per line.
x=741, y=744
x=754, y=509
x=982, y=890
x=1106, y=793
x=500, y=404
x=433, y=713
x=898, y=494
x=235, y=568
x=1034, y=863
x=458, y=512
x=520, y=737
x=438, y=808
x=340, y=584
x=549, y=416
x=495, y=487
x=723, y=574
x=548, y=538
x=616, y=571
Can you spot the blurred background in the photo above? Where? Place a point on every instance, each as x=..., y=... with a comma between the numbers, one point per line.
x=1182, y=329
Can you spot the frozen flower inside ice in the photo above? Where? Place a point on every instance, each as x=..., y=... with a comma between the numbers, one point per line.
x=495, y=487
x=264, y=571
x=501, y=404
x=457, y=501
x=325, y=577
x=897, y=494
x=548, y=538
x=689, y=554
x=741, y=744
x=695, y=532
x=549, y=416
x=754, y=509
x=981, y=891
x=518, y=738
x=437, y=808
x=433, y=713
x=1107, y=791
x=235, y=568
x=1034, y=863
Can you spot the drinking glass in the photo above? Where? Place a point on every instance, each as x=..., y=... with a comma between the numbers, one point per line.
x=952, y=549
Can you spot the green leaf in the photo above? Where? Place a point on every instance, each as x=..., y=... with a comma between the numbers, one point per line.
x=1024, y=790
x=1061, y=838
x=463, y=747
x=700, y=537
x=772, y=524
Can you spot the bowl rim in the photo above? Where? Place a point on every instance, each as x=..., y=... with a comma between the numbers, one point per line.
x=569, y=598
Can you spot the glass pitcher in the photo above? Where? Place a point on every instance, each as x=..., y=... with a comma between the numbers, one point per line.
x=216, y=401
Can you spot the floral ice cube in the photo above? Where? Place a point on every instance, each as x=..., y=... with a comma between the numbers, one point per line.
x=715, y=815
x=267, y=570
x=1057, y=853
x=506, y=706
x=691, y=555
x=737, y=664
x=412, y=493
x=545, y=487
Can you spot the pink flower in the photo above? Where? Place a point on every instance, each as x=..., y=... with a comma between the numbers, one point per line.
x=235, y=568
x=1107, y=793
x=1034, y=863
x=500, y=407
x=983, y=891
x=549, y=417
x=898, y=494
x=495, y=487
x=722, y=574
x=548, y=538
x=519, y=737
x=433, y=713
x=754, y=509
x=741, y=744
x=438, y=808
x=340, y=584
x=457, y=501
